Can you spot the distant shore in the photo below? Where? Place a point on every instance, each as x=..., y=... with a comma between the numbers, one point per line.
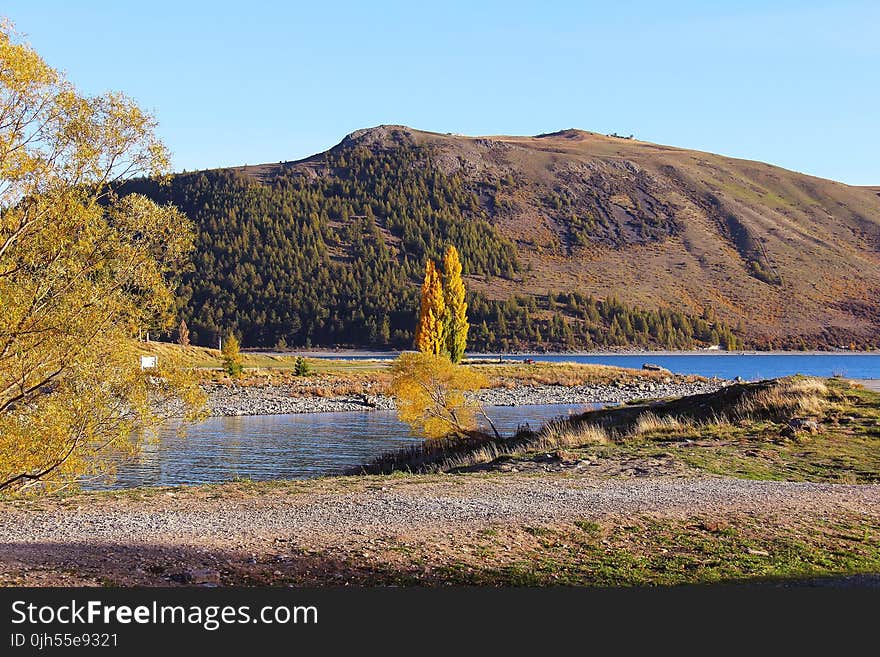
x=234, y=400
x=342, y=354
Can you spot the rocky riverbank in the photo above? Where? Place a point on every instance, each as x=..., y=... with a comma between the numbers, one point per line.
x=229, y=400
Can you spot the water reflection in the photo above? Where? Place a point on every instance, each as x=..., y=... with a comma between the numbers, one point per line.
x=286, y=446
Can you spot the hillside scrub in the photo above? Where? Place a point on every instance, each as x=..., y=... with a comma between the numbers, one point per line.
x=330, y=250
x=337, y=258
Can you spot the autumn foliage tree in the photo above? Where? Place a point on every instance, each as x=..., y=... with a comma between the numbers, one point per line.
x=429, y=387
x=232, y=356
x=82, y=270
x=456, y=324
x=429, y=391
x=442, y=326
x=431, y=327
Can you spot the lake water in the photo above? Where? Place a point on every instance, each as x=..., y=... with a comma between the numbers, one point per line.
x=309, y=445
x=725, y=365
x=288, y=446
x=748, y=366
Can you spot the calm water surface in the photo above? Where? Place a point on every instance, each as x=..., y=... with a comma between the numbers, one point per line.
x=299, y=446
x=748, y=366
x=288, y=446
x=725, y=365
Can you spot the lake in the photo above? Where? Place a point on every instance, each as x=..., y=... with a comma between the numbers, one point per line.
x=309, y=445
x=749, y=366
x=263, y=447
x=729, y=365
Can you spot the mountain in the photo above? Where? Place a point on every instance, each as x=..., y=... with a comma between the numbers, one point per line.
x=570, y=240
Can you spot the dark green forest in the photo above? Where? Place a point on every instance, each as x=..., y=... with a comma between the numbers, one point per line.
x=574, y=321
x=336, y=258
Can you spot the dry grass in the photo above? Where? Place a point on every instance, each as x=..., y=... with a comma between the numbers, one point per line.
x=434, y=455
x=702, y=417
x=787, y=398
x=650, y=423
x=509, y=375
x=560, y=434
x=332, y=378
x=451, y=453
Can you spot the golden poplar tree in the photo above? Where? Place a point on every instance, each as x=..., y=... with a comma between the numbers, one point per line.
x=456, y=309
x=431, y=329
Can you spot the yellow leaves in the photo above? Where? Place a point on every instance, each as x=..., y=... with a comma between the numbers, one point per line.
x=23, y=73
x=81, y=271
x=431, y=327
x=456, y=308
x=428, y=387
x=442, y=326
x=429, y=393
x=231, y=356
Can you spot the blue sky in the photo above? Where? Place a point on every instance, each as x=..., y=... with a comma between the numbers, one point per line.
x=794, y=83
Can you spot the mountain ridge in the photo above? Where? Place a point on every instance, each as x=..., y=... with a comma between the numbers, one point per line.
x=788, y=258
x=572, y=134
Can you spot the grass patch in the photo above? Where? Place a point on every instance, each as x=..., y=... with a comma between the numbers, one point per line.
x=636, y=551
x=341, y=377
x=659, y=552
x=511, y=374
x=454, y=452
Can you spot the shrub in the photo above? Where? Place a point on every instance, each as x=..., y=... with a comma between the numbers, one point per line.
x=232, y=356
x=301, y=366
x=430, y=394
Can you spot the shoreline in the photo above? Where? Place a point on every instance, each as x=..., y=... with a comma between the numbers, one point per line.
x=344, y=354
x=268, y=399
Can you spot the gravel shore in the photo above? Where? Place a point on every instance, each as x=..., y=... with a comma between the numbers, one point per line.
x=318, y=530
x=228, y=400
x=180, y=517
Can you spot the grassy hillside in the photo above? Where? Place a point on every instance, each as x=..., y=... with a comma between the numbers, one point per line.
x=329, y=250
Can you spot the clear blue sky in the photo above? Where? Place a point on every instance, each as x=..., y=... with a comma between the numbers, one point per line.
x=794, y=83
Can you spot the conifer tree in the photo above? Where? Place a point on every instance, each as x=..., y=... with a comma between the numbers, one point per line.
x=430, y=331
x=456, y=309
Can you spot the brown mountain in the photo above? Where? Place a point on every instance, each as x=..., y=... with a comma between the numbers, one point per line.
x=329, y=249
x=778, y=253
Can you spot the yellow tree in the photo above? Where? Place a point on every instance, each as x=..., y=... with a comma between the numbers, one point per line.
x=81, y=271
x=431, y=327
x=456, y=309
x=231, y=356
x=429, y=392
